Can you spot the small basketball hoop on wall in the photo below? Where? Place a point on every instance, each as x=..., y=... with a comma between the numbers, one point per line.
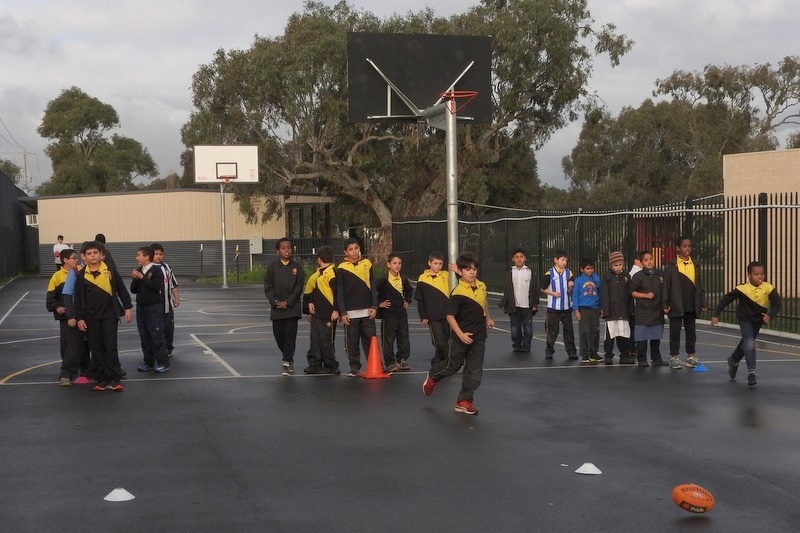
x=459, y=99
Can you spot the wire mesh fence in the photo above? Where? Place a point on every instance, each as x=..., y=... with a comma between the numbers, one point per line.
x=727, y=234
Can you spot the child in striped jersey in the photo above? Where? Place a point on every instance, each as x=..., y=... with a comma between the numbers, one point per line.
x=557, y=283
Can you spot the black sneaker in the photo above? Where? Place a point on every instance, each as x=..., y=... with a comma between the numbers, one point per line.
x=608, y=361
x=287, y=369
x=658, y=362
x=548, y=356
x=751, y=379
x=573, y=356
x=643, y=363
x=732, y=368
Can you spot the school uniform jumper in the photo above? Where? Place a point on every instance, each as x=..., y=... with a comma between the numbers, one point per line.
x=354, y=293
x=685, y=297
x=432, y=295
x=467, y=305
x=394, y=319
x=285, y=282
x=149, y=293
x=320, y=290
x=100, y=299
x=753, y=302
x=70, y=337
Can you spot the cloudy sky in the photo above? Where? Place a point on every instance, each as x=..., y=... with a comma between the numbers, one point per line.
x=139, y=57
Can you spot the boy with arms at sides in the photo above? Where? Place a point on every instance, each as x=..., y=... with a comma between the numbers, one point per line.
x=357, y=303
x=172, y=297
x=432, y=295
x=393, y=293
x=586, y=300
x=684, y=299
x=615, y=300
x=468, y=316
x=70, y=339
x=284, y=281
x=759, y=304
x=100, y=299
x=557, y=283
x=148, y=286
x=319, y=299
x=520, y=301
x=647, y=289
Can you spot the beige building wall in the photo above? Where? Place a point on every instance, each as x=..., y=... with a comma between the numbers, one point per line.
x=148, y=216
x=775, y=173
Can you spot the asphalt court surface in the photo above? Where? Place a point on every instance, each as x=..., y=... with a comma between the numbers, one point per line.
x=224, y=443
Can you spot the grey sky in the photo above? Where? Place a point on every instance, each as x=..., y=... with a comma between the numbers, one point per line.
x=139, y=56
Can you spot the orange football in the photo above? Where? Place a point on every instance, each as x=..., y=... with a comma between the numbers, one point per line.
x=693, y=498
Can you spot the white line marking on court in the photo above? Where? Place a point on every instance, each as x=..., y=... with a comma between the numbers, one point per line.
x=12, y=308
x=215, y=356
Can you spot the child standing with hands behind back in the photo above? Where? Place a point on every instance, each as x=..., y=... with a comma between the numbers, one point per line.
x=586, y=300
x=759, y=303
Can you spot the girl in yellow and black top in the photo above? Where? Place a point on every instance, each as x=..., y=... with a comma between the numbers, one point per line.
x=468, y=316
x=319, y=301
x=759, y=303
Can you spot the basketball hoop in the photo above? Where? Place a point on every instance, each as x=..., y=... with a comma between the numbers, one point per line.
x=228, y=179
x=465, y=96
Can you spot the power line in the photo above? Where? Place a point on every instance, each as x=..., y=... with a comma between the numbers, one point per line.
x=15, y=143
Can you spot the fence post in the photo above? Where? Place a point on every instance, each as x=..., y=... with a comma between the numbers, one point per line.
x=762, y=230
x=688, y=220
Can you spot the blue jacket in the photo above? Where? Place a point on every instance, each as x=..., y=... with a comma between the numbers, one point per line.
x=586, y=292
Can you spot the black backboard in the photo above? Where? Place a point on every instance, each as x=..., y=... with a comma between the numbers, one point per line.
x=421, y=67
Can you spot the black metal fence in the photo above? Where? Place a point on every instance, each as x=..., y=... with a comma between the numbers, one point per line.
x=727, y=233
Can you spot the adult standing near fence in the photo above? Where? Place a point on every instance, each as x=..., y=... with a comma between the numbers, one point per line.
x=684, y=299
x=57, y=247
x=283, y=286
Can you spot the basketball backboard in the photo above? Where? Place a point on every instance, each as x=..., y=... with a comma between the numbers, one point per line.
x=236, y=163
x=395, y=77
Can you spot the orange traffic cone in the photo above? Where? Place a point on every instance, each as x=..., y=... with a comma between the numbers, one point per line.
x=374, y=365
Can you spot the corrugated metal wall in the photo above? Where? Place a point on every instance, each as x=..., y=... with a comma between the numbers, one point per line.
x=18, y=243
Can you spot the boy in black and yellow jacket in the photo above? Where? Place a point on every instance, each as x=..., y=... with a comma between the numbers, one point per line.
x=356, y=303
x=393, y=293
x=100, y=300
x=759, y=303
x=63, y=312
x=319, y=301
x=468, y=316
x=432, y=295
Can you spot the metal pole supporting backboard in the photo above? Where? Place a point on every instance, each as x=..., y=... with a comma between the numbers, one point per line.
x=452, y=186
x=224, y=259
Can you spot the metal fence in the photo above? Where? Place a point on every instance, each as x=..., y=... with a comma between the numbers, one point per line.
x=727, y=233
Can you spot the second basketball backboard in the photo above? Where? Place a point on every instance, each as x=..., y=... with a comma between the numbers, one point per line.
x=221, y=163
x=393, y=77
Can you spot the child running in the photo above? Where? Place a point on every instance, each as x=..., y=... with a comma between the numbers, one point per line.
x=759, y=303
x=468, y=316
